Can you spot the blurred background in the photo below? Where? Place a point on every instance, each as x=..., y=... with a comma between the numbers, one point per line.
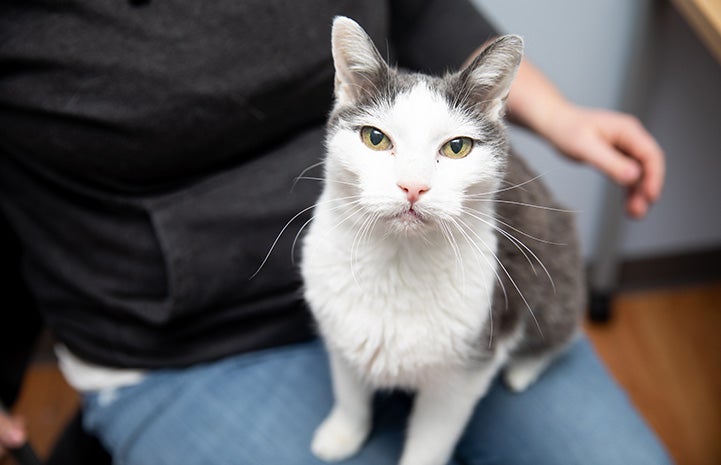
x=644, y=57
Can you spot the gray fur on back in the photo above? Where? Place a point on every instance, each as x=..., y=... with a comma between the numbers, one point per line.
x=556, y=308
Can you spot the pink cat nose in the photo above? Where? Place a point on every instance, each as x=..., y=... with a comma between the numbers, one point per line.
x=413, y=190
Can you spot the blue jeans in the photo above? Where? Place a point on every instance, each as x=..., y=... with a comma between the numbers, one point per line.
x=262, y=409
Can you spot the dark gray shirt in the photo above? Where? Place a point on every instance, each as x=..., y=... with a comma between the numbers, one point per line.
x=147, y=155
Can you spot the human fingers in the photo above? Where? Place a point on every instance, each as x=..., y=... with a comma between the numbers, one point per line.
x=599, y=153
x=627, y=172
x=632, y=138
x=12, y=432
x=637, y=204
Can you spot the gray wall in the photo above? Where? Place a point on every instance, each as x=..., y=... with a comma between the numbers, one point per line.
x=684, y=112
x=586, y=48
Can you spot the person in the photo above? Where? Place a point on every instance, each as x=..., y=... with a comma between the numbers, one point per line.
x=147, y=151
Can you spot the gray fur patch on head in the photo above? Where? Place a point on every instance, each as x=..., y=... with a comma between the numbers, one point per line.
x=457, y=92
x=379, y=97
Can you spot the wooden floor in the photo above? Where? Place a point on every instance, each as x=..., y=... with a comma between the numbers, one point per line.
x=664, y=346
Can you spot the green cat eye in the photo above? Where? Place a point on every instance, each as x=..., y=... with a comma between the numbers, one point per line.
x=375, y=139
x=457, y=148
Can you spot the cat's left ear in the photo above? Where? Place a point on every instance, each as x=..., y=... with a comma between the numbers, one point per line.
x=489, y=77
x=359, y=67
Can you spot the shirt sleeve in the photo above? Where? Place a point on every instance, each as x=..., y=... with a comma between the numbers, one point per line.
x=434, y=36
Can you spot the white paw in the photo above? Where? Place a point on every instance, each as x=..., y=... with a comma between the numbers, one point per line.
x=520, y=374
x=338, y=438
x=518, y=379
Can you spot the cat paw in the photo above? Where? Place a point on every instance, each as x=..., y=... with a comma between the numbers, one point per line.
x=518, y=380
x=520, y=374
x=338, y=438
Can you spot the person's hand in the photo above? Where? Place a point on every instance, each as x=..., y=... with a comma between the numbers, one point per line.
x=12, y=433
x=615, y=143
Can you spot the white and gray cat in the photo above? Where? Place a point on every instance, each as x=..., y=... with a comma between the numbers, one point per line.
x=433, y=260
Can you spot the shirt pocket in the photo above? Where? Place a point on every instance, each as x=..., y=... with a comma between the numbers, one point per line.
x=215, y=233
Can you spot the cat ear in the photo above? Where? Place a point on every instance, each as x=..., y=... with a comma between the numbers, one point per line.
x=489, y=76
x=359, y=67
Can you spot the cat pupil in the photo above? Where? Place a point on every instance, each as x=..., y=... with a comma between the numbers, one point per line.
x=456, y=145
x=376, y=137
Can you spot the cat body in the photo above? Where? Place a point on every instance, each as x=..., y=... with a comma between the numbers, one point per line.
x=414, y=279
x=398, y=339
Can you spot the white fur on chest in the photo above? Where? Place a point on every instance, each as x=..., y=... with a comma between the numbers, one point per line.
x=399, y=310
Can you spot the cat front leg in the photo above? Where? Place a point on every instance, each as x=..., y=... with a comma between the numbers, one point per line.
x=345, y=429
x=440, y=413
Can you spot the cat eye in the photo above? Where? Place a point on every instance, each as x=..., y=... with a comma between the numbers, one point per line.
x=457, y=148
x=374, y=138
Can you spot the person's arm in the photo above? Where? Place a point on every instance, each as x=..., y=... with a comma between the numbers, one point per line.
x=615, y=143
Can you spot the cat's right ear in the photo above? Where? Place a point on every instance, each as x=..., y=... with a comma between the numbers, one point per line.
x=359, y=67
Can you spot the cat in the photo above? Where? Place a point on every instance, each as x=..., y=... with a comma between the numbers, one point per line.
x=434, y=259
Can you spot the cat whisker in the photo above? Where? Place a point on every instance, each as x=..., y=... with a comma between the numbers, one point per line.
x=459, y=223
x=302, y=173
x=470, y=242
x=311, y=178
x=369, y=220
x=512, y=186
x=357, y=209
x=353, y=213
x=513, y=282
x=521, y=204
x=295, y=239
x=277, y=238
x=507, y=235
x=365, y=217
x=538, y=239
x=448, y=235
x=297, y=236
x=515, y=241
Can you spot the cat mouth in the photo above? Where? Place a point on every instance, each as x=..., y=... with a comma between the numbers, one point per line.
x=413, y=213
x=411, y=216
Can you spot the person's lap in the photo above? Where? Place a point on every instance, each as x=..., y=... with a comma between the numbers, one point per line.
x=262, y=409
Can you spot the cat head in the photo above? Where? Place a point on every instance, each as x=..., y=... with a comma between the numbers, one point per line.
x=412, y=149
